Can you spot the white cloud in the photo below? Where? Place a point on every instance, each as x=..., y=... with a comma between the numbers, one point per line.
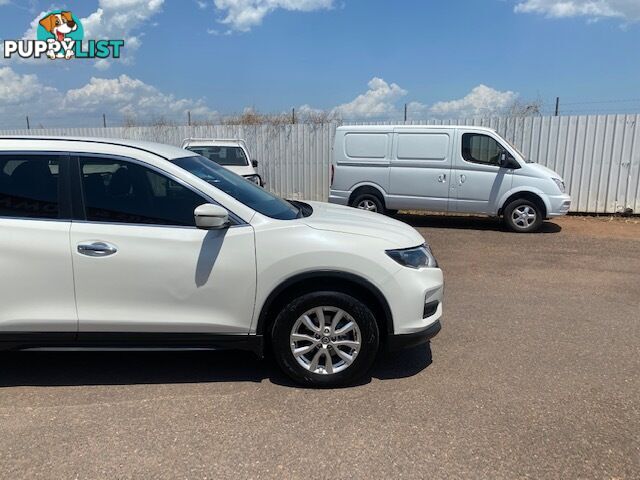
x=117, y=97
x=385, y=101
x=380, y=101
x=628, y=10
x=242, y=15
x=481, y=101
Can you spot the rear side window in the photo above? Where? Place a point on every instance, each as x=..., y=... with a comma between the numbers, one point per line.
x=225, y=156
x=117, y=191
x=423, y=146
x=366, y=145
x=479, y=148
x=29, y=186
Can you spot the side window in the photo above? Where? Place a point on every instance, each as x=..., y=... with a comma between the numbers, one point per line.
x=478, y=148
x=29, y=186
x=122, y=192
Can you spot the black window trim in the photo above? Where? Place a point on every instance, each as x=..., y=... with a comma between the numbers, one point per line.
x=484, y=134
x=79, y=212
x=65, y=202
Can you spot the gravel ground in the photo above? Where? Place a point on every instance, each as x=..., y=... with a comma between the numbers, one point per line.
x=536, y=374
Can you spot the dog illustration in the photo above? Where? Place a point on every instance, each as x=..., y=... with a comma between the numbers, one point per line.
x=59, y=25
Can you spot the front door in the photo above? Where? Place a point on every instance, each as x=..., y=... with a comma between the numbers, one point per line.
x=478, y=180
x=36, y=293
x=420, y=170
x=141, y=265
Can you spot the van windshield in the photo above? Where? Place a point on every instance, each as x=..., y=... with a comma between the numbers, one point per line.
x=225, y=156
x=244, y=191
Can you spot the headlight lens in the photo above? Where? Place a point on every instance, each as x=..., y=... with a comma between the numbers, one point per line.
x=418, y=257
x=560, y=184
x=254, y=179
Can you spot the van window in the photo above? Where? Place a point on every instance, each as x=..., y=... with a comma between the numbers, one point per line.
x=366, y=145
x=225, y=156
x=479, y=148
x=423, y=146
x=29, y=186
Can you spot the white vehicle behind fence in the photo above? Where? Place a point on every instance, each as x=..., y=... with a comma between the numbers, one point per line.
x=231, y=154
x=456, y=169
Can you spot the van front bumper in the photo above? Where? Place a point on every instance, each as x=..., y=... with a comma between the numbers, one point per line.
x=560, y=205
x=339, y=197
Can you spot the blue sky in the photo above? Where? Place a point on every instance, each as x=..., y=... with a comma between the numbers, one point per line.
x=361, y=58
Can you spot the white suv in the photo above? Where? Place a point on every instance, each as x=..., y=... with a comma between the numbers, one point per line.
x=231, y=154
x=116, y=244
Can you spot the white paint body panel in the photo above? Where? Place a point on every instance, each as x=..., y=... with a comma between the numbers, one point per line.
x=423, y=174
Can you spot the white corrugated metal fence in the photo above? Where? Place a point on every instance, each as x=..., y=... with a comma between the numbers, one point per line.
x=598, y=156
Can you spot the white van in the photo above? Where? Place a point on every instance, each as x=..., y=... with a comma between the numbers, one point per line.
x=231, y=154
x=457, y=169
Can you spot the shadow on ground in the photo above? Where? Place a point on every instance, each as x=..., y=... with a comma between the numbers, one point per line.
x=460, y=222
x=135, y=368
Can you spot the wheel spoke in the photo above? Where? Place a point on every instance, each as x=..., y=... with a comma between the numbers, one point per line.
x=321, y=320
x=328, y=363
x=309, y=323
x=336, y=319
x=348, y=359
x=300, y=337
x=347, y=343
x=304, y=350
x=313, y=366
x=346, y=329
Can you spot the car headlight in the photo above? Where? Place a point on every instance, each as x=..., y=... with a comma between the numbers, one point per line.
x=417, y=257
x=254, y=179
x=560, y=184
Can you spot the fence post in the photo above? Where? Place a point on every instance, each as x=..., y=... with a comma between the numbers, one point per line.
x=557, y=106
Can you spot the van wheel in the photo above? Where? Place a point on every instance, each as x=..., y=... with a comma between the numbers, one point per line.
x=370, y=202
x=325, y=339
x=523, y=216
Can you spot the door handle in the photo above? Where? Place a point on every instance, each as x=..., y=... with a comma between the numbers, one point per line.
x=442, y=177
x=463, y=179
x=97, y=249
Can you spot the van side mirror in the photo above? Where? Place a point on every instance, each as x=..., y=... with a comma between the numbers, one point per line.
x=507, y=161
x=211, y=217
x=254, y=163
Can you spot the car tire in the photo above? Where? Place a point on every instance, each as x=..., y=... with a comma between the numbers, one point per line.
x=523, y=216
x=369, y=202
x=326, y=362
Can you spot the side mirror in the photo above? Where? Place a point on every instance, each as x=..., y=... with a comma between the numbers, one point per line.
x=211, y=217
x=254, y=163
x=507, y=161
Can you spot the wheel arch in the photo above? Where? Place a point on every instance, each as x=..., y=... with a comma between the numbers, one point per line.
x=330, y=280
x=533, y=195
x=367, y=188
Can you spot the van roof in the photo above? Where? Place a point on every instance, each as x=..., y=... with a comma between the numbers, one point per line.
x=168, y=152
x=391, y=128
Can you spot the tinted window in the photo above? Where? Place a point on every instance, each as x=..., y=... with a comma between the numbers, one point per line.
x=226, y=156
x=479, y=148
x=122, y=192
x=242, y=190
x=29, y=186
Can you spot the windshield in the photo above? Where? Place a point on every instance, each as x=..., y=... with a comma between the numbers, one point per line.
x=518, y=150
x=225, y=156
x=244, y=191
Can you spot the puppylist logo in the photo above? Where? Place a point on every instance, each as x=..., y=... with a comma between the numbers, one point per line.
x=60, y=35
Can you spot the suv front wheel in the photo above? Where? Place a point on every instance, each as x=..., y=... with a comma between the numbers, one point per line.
x=325, y=339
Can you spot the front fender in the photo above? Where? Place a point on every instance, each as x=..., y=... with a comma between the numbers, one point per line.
x=531, y=190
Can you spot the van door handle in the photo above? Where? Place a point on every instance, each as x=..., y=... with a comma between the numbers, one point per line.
x=463, y=179
x=97, y=249
x=442, y=178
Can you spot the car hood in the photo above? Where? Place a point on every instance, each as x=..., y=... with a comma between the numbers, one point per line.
x=241, y=170
x=540, y=171
x=336, y=218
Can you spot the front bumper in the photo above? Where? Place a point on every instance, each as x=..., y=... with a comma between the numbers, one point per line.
x=399, y=342
x=559, y=205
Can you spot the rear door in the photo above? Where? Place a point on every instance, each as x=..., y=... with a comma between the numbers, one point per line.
x=140, y=263
x=37, y=293
x=421, y=169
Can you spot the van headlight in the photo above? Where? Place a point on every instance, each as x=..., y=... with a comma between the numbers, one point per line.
x=560, y=184
x=254, y=179
x=417, y=257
